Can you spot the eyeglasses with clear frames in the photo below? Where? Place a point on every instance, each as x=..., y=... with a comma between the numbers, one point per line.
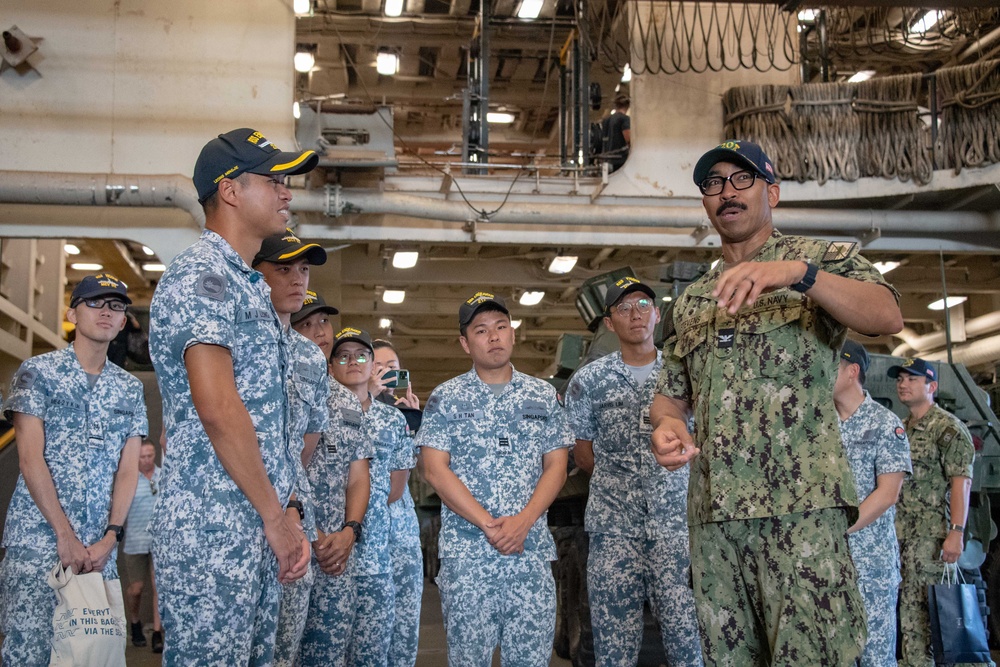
x=113, y=304
x=344, y=359
x=740, y=180
x=642, y=306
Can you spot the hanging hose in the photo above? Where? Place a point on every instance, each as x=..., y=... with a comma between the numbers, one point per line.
x=894, y=141
x=827, y=131
x=758, y=113
x=970, y=119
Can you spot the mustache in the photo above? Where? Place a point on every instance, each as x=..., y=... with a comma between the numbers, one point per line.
x=730, y=204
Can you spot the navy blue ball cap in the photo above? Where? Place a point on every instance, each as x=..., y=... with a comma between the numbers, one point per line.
x=913, y=366
x=745, y=153
x=350, y=334
x=626, y=286
x=102, y=284
x=855, y=353
x=313, y=303
x=285, y=248
x=477, y=302
x=245, y=151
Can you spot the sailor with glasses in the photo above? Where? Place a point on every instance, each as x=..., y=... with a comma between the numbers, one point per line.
x=361, y=613
x=637, y=510
x=79, y=421
x=771, y=492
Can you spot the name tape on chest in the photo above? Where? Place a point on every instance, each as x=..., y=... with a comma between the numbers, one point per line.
x=253, y=315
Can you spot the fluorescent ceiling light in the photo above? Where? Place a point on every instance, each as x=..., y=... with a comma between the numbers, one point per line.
x=394, y=295
x=149, y=251
x=807, y=15
x=304, y=61
x=385, y=323
x=154, y=266
x=515, y=323
x=863, y=75
x=296, y=111
x=927, y=21
x=386, y=63
x=627, y=73
x=499, y=117
x=393, y=7
x=668, y=298
x=952, y=302
x=86, y=266
x=562, y=264
x=302, y=7
x=885, y=267
x=531, y=298
x=405, y=259
x=529, y=9
x=71, y=249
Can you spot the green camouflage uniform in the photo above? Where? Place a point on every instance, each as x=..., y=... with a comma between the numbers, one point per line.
x=940, y=448
x=772, y=489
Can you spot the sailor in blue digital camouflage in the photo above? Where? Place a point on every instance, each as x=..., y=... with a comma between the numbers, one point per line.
x=879, y=455
x=771, y=493
x=222, y=541
x=933, y=504
x=79, y=423
x=384, y=427
x=494, y=446
x=339, y=477
x=406, y=558
x=637, y=510
x=285, y=262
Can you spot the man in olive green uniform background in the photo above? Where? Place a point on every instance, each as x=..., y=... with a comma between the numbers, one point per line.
x=933, y=504
x=771, y=493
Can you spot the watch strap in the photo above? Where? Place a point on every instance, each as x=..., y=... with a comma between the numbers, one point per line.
x=297, y=504
x=119, y=531
x=356, y=527
x=808, y=280
x=956, y=527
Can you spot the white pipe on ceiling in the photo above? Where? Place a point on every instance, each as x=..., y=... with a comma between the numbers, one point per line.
x=982, y=352
x=915, y=345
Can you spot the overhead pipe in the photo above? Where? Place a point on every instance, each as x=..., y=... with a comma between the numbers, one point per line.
x=977, y=353
x=173, y=190
x=915, y=345
x=158, y=190
x=336, y=201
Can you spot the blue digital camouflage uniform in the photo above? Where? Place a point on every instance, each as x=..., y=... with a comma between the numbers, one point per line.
x=876, y=444
x=216, y=575
x=496, y=444
x=407, y=566
x=771, y=492
x=85, y=431
x=333, y=600
x=940, y=448
x=636, y=517
x=308, y=392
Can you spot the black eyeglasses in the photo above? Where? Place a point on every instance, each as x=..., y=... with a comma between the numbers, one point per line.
x=344, y=359
x=642, y=305
x=740, y=180
x=112, y=304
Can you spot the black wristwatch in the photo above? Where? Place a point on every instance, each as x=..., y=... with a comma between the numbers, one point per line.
x=808, y=280
x=356, y=527
x=119, y=531
x=297, y=504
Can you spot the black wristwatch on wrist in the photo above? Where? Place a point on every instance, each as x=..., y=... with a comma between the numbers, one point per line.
x=808, y=280
x=119, y=531
x=356, y=527
x=297, y=504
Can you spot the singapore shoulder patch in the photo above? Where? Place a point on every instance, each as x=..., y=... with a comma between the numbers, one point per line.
x=211, y=285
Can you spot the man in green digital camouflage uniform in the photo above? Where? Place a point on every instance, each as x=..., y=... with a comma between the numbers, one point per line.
x=771, y=492
x=933, y=504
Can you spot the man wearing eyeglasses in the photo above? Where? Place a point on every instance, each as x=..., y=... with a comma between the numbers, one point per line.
x=137, y=549
x=221, y=356
x=637, y=510
x=78, y=421
x=351, y=616
x=771, y=493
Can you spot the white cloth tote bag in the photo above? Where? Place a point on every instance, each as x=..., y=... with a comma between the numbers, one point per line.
x=88, y=626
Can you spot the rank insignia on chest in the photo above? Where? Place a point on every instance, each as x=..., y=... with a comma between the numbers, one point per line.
x=331, y=448
x=504, y=441
x=724, y=338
